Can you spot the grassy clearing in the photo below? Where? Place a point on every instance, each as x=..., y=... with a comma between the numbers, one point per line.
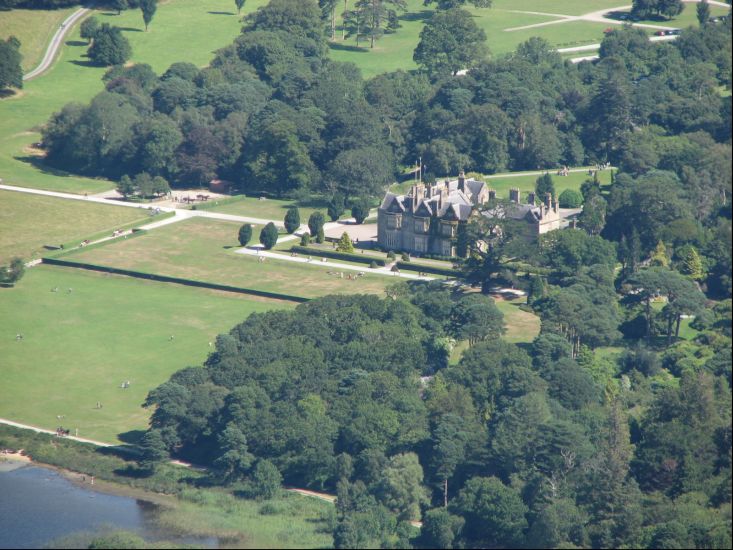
x=271, y=209
x=204, y=250
x=78, y=347
x=34, y=29
x=30, y=221
x=183, y=30
x=290, y=521
x=688, y=18
x=521, y=326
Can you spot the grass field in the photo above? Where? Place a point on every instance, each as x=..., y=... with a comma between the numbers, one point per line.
x=687, y=18
x=34, y=29
x=182, y=30
x=271, y=209
x=78, y=347
x=27, y=222
x=203, y=250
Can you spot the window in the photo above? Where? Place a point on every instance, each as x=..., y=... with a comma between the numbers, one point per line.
x=394, y=221
x=421, y=244
x=393, y=240
x=421, y=225
x=447, y=249
x=448, y=230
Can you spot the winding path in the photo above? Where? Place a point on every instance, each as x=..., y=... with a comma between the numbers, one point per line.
x=56, y=42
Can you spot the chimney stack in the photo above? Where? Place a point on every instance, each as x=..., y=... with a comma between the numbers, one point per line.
x=492, y=195
x=548, y=200
x=531, y=198
x=461, y=181
x=514, y=195
x=556, y=205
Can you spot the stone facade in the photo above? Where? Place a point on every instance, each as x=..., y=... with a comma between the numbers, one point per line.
x=426, y=220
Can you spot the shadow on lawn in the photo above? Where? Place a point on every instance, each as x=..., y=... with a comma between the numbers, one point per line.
x=347, y=48
x=421, y=15
x=38, y=164
x=76, y=43
x=221, y=13
x=83, y=63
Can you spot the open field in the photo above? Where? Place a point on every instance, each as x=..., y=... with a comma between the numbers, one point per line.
x=27, y=222
x=271, y=209
x=203, y=250
x=687, y=18
x=79, y=346
x=180, y=31
x=34, y=29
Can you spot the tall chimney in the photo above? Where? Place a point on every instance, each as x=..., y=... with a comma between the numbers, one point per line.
x=461, y=181
x=531, y=198
x=514, y=195
x=492, y=195
x=548, y=200
x=555, y=205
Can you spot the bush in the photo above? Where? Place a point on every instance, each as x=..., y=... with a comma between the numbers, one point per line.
x=360, y=210
x=344, y=244
x=305, y=239
x=405, y=257
x=315, y=224
x=245, y=234
x=391, y=255
x=320, y=236
x=266, y=480
x=336, y=207
x=268, y=236
x=570, y=199
x=292, y=219
x=11, y=274
x=373, y=265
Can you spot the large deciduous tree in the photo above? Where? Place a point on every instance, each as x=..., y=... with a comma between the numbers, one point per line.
x=450, y=42
x=11, y=73
x=109, y=47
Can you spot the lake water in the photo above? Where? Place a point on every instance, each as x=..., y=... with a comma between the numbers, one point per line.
x=38, y=506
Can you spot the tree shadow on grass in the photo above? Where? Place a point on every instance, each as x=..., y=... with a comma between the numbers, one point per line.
x=421, y=15
x=83, y=63
x=132, y=437
x=76, y=43
x=44, y=168
x=347, y=48
x=6, y=92
x=130, y=29
x=221, y=13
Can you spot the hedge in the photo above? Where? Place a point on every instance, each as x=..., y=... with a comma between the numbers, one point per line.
x=69, y=251
x=176, y=280
x=337, y=255
x=409, y=266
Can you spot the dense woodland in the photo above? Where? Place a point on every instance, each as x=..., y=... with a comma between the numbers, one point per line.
x=609, y=430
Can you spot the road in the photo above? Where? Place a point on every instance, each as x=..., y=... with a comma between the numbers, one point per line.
x=55, y=43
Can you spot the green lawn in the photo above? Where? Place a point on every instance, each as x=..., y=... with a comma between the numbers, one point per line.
x=687, y=18
x=271, y=209
x=182, y=30
x=204, y=250
x=27, y=222
x=78, y=347
x=34, y=29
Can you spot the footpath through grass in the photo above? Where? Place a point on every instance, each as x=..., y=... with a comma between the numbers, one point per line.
x=79, y=346
x=34, y=29
x=182, y=30
x=28, y=222
x=204, y=250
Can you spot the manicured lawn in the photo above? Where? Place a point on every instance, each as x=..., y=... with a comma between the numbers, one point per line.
x=27, y=222
x=182, y=30
x=204, y=250
x=271, y=209
x=78, y=347
x=34, y=29
x=687, y=18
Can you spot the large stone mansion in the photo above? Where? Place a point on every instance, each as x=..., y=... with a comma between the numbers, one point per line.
x=426, y=219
